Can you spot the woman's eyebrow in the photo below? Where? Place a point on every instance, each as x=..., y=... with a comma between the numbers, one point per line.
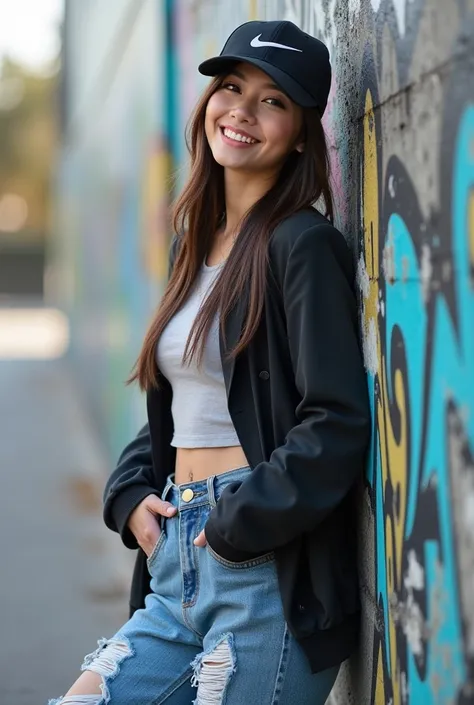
x=240, y=75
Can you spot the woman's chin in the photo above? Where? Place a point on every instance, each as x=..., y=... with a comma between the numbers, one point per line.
x=232, y=164
x=241, y=162
x=225, y=159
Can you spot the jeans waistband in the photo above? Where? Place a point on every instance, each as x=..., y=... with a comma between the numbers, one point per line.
x=202, y=491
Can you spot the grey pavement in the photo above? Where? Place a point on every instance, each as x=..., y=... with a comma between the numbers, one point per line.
x=64, y=576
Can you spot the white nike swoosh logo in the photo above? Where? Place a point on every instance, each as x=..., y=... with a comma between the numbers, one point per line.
x=257, y=43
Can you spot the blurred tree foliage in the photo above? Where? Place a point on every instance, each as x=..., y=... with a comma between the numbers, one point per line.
x=28, y=137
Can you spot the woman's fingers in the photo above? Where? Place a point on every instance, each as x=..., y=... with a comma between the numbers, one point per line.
x=158, y=506
x=200, y=539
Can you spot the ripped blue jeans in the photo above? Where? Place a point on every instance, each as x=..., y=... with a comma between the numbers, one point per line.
x=212, y=632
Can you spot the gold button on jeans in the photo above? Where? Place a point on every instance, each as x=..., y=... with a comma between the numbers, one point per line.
x=187, y=495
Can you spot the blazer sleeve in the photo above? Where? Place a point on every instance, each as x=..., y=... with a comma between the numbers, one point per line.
x=133, y=478
x=128, y=485
x=323, y=454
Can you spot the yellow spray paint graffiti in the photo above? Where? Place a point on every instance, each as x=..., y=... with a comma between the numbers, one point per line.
x=154, y=216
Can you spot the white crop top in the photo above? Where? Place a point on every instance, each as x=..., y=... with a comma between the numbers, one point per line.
x=199, y=406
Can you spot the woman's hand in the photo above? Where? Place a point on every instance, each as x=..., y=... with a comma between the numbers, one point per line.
x=143, y=522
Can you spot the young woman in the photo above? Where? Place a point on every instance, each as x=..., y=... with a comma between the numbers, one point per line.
x=238, y=491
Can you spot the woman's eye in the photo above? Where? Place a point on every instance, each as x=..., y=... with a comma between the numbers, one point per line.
x=234, y=88
x=231, y=86
x=276, y=102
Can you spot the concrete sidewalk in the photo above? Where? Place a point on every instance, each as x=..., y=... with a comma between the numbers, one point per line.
x=64, y=576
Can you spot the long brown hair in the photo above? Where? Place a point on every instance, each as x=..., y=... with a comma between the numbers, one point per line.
x=198, y=212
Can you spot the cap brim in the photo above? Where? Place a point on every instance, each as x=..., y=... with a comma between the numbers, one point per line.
x=219, y=64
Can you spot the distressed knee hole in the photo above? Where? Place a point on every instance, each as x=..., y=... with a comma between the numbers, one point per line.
x=105, y=661
x=212, y=672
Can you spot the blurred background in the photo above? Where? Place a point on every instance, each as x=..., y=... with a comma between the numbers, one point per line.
x=94, y=98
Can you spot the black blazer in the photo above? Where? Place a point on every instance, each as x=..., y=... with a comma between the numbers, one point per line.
x=299, y=402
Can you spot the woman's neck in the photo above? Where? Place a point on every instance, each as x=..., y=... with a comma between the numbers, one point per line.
x=242, y=191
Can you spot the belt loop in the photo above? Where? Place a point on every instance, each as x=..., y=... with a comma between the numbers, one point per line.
x=210, y=490
x=166, y=489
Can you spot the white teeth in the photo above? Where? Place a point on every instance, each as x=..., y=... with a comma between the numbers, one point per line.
x=238, y=137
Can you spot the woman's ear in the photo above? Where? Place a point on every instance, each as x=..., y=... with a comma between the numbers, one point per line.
x=301, y=139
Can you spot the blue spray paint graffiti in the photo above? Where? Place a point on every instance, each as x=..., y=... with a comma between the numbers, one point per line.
x=418, y=301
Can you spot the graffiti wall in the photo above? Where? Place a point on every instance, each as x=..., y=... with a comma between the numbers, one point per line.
x=415, y=154
x=400, y=121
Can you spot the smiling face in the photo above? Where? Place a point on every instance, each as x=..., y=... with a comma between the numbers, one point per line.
x=251, y=124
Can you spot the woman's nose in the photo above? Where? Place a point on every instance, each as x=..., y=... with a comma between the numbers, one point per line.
x=243, y=114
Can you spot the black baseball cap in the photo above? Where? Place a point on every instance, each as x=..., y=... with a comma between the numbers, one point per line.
x=297, y=62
